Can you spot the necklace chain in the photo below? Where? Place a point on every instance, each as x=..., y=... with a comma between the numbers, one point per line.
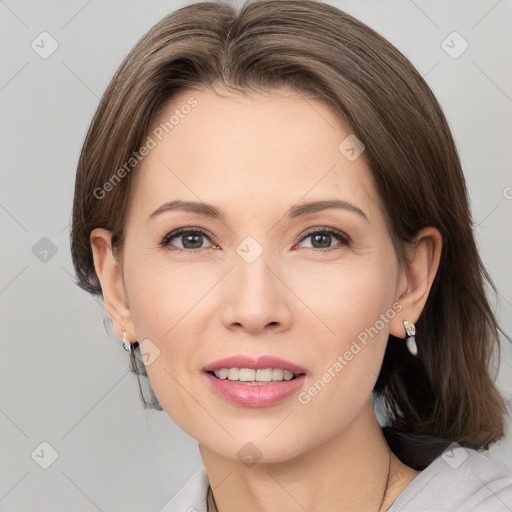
x=210, y=493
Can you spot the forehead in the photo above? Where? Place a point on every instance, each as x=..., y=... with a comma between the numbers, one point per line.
x=250, y=151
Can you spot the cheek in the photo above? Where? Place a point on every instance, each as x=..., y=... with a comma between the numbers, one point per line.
x=348, y=298
x=167, y=309
x=163, y=294
x=353, y=305
x=160, y=315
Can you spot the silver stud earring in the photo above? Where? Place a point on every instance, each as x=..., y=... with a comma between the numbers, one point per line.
x=410, y=331
x=126, y=344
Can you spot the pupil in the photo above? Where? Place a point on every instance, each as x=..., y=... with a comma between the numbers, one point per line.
x=319, y=237
x=197, y=240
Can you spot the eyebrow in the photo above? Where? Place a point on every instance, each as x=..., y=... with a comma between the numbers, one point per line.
x=299, y=210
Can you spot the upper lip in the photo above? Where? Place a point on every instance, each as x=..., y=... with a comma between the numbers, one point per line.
x=256, y=363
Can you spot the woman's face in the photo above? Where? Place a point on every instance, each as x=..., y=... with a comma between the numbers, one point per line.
x=314, y=287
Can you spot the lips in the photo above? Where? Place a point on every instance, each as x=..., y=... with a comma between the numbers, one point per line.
x=255, y=394
x=255, y=363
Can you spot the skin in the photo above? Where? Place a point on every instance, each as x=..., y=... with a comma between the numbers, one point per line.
x=254, y=156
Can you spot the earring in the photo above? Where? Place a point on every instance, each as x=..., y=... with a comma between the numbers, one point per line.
x=126, y=344
x=410, y=331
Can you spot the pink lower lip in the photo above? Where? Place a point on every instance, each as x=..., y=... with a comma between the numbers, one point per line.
x=255, y=395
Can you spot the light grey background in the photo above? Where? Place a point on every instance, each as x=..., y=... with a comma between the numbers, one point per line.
x=63, y=379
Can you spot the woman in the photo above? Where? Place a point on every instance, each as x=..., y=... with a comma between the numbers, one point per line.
x=272, y=206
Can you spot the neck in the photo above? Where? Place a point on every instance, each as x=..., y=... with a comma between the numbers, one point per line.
x=348, y=473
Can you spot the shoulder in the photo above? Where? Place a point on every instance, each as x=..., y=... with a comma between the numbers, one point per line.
x=459, y=479
x=192, y=496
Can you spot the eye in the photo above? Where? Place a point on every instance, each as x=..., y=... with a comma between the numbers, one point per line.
x=321, y=238
x=191, y=239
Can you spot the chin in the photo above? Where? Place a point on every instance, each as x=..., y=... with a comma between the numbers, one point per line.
x=257, y=450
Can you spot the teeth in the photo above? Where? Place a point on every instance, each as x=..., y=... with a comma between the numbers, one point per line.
x=247, y=375
x=233, y=373
x=277, y=374
x=251, y=375
x=264, y=375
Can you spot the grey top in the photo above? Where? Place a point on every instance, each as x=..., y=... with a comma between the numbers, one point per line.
x=458, y=480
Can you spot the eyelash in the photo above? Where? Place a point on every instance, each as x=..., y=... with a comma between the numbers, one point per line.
x=185, y=231
x=340, y=236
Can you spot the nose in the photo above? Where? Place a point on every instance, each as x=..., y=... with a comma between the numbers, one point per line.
x=256, y=297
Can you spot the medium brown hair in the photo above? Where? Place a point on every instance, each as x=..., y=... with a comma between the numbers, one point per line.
x=317, y=49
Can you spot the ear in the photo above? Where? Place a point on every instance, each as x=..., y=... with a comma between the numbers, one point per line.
x=423, y=258
x=112, y=284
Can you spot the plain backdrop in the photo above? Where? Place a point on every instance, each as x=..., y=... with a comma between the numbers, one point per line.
x=64, y=378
